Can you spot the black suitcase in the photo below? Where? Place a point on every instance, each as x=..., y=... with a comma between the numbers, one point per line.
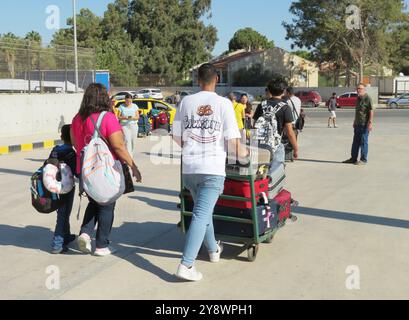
x=267, y=220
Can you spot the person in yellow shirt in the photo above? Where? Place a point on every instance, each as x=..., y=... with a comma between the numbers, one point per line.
x=238, y=111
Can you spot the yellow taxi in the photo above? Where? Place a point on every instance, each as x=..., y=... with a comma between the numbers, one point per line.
x=146, y=105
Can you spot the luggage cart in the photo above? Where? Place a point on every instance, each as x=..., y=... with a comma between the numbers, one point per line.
x=250, y=244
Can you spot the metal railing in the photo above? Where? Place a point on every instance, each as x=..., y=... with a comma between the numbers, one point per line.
x=29, y=67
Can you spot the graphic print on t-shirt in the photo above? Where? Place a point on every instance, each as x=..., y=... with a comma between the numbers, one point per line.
x=205, y=111
x=209, y=127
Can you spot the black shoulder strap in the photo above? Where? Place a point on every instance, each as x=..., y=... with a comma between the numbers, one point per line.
x=294, y=108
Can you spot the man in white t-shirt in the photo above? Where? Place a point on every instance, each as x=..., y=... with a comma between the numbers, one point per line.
x=294, y=102
x=202, y=125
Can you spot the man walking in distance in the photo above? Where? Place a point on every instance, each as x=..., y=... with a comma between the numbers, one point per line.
x=332, y=108
x=203, y=123
x=362, y=127
x=295, y=103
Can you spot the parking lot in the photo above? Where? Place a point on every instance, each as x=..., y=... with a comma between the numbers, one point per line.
x=349, y=218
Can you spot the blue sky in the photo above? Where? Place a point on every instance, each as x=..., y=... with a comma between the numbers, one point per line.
x=265, y=16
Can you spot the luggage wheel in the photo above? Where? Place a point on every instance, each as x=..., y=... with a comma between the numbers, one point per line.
x=294, y=203
x=281, y=224
x=252, y=252
x=293, y=218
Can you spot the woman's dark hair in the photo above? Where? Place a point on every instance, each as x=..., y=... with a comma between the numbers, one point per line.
x=96, y=100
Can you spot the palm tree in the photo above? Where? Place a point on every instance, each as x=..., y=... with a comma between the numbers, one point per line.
x=34, y=40
x=34, y=36
x=9, y=42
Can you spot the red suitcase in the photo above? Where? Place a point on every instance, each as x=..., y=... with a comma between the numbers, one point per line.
x=283, y=202
x=242, y=189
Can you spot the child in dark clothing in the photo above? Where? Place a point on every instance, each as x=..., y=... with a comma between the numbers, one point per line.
x=62, y=235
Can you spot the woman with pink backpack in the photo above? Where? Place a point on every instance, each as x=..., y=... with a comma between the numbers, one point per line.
x=93, y=124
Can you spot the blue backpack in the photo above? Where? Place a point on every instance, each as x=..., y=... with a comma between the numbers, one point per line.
x=43, y=200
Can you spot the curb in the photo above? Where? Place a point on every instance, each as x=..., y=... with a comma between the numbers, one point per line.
x=29, y=146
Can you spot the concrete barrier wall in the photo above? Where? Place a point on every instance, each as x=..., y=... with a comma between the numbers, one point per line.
x=24, y=114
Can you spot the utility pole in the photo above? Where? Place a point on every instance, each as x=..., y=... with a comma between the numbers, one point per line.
x=75, y=44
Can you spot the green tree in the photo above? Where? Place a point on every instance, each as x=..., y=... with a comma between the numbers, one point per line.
x=33, y=40
x=305, y=55
x=122, y=59
x=322, y=25
x=399, y=49
x=171, y=33
x=10, y=46
x=63, y=37
x=33, y=36
x=249, y=39
x=115, y=20
x=164, y=37
x=89, y=31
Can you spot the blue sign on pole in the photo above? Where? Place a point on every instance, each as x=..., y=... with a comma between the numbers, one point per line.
x=103, y=77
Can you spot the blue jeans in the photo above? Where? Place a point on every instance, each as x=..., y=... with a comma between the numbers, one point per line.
x=278, y=159
x=205, y=190
x=104, y=216
x=361, y=138
x=62, y=228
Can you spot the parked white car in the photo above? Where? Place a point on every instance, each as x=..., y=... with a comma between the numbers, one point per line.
x=149, y=93
x=121, y=95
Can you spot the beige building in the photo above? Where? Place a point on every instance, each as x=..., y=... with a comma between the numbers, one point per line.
x=303, y=73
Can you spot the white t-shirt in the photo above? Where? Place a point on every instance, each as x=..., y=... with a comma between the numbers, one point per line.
x=296, y=102
x=205, y=121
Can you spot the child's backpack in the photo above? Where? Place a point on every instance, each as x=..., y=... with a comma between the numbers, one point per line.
x=58, y=178
x=266, y=127
x=102, y=177
x=163, y=118
x=43, y=200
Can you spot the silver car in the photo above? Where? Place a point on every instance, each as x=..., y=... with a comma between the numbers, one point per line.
x=402, y=101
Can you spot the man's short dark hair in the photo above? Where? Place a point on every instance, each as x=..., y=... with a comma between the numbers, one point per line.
x=207, y=72
x=231, y=96
x=334, y=94
x=290, y=91
x=244, y=95
x=65, y=133
x=128, y=96
x=277, y=86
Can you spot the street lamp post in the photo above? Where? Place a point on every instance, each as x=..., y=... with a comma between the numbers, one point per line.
x=75, y=44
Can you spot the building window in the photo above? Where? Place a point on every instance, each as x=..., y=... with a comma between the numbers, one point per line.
x=303, y=77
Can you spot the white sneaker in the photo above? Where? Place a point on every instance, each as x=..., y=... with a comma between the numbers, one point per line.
x=187, y=274
x=84, y=243
x=215, y=256
x=104, y=251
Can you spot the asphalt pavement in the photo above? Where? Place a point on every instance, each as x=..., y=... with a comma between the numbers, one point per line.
x=350, y=240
